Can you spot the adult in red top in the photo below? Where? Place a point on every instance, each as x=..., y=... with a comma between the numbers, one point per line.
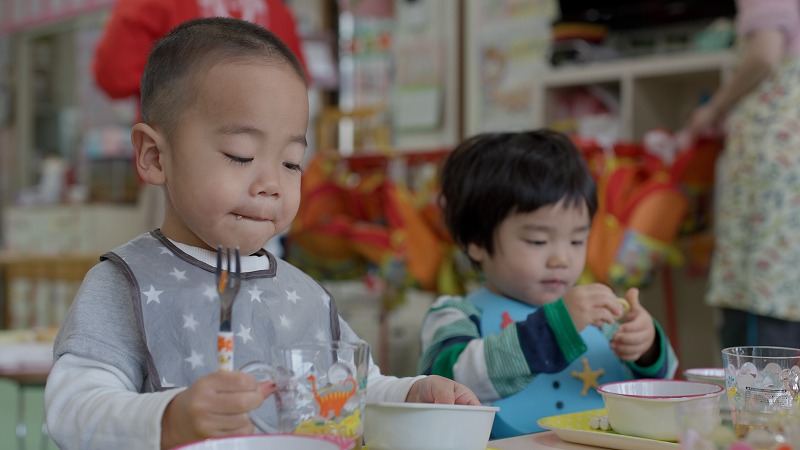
x=135, y=25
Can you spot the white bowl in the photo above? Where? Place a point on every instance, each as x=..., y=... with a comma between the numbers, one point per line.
x=714, y=375
x=646, y=408
x=271, y=442
x=414, y=426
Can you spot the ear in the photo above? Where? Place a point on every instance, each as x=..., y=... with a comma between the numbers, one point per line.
x=476, y=252
x=146, y=142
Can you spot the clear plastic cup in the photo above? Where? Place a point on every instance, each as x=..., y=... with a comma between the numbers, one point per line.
x=763, y=385
x=708, y=426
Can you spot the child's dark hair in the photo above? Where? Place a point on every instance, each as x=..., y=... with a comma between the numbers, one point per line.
x=190, y=50
x=491, y=175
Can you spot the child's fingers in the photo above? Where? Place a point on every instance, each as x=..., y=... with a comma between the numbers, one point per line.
x=267, y=388
x=609, y=306
x=228, y=393
x=237, y=402
x=628, y=353
x=632, y=296
x=233, y=381
x=604, y=314
x=230, y=424
x=629, y=346
x=627, y=335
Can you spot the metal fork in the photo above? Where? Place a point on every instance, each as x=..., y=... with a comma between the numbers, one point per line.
x=229, y=280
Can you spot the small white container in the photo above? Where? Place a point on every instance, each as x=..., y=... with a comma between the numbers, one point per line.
x=646, y=408
x=415, y=426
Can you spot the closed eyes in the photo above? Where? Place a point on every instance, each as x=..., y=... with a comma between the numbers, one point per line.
x=242, y=161
x=237, y=159
x=535, y=242
x=293, y=166
x=540, y=243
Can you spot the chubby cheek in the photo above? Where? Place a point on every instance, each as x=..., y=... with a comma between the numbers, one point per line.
x=579, y=263
x=211, y=203
x=286, y=218
x=289, y=206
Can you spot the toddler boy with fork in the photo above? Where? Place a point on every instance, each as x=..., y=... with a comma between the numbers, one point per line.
x=224, y=117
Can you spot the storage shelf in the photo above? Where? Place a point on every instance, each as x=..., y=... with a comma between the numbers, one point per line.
x=645, y=66
x=652, y=91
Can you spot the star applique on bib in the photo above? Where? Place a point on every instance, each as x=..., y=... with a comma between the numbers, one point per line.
x=588, y=376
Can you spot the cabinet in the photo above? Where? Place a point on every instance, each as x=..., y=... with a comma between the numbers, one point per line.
x=652, y=92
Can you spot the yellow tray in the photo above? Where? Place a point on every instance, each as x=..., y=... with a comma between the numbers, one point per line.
x=575, y=428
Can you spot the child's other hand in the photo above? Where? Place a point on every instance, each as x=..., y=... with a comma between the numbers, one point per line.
x=635, y=337
x=592, y=304
x=436, y=389
x=215, y=405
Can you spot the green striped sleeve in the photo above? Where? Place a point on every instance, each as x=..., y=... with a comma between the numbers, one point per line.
x=449, y=317
x=444, y=362
x=506, y=365
x=567, y=336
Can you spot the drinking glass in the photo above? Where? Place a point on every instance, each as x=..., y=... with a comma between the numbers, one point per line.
x=760, y=381
x=322, y=389
x=710, y=426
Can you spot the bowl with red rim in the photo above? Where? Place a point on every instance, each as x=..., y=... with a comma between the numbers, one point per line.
x=647, y=408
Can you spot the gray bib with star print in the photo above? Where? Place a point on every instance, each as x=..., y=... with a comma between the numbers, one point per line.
x=178, y=310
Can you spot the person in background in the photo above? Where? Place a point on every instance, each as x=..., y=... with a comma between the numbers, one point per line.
x=754, y=269
x=529, y=340
x=135, y=25
x=224, y=118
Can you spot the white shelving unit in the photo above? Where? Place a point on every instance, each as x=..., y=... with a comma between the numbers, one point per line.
x=653, y=91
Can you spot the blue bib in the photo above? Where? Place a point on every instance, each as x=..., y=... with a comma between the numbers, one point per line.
x=548, y=394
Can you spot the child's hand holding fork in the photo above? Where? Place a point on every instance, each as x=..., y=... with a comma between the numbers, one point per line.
x=217, y=404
